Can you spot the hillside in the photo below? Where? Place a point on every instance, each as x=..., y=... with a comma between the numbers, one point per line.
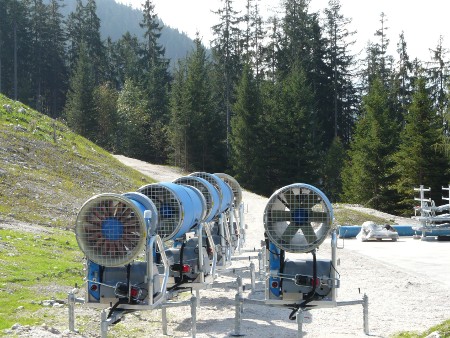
x=47, y=172
x=117, y=19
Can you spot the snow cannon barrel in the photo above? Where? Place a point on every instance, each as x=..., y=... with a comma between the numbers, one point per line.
x=111, y=229
x=210, y=193
x=225, y=192
x=235, y=187
x=179, y=208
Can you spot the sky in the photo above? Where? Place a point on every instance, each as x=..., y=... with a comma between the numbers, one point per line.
x=422, y=22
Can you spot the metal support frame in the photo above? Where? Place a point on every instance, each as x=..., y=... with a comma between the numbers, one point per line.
x=154, y=243
x=428, y=217
x=242, y=229
x=71, y=301
x=204, y=282
x=193, y=303
x=365, y=304
x=225, y=242
x=240, y=300
x=264, y=276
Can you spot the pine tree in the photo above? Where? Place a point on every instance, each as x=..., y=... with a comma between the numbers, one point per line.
x=227, y=60
x=124, y=56
x=196, y=129
x=366, y=175
x=304, y=45
x=56, y=66
x=419, y=160
x=79, y=110
x=252, y=44
x=94, y=44
x=179, y=119
x=156, y=81
x=132, y=134
x=299, y=34
x=49, y=75
x=83, y=26
x=75, y=33
x=293, y=132
x=331, y=170
x=152, y=32
x=39, y=32
x=15, y=50
x=342, y=63
x=246, y=137
x=439, y=76
x=378, y=64
x=272, y=49
x=105, y=104
x=404, y=77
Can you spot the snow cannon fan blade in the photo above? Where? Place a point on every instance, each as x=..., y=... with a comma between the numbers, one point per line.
x=225, y=192
x=179, y=208
x=298, y=217
x=111, y=229
x=210, y=193
x=234, y=185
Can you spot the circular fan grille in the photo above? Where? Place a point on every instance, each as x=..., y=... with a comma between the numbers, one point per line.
x=234, y=185
x=110, y=230
x=225, y=193
x=298, y=218
x=210, y=194
x=169, y=209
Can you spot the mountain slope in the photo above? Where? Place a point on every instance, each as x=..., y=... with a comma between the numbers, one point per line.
x=117, y=19
x=47, y=171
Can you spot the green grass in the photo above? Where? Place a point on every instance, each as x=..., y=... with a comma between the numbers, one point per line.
x=345, y=216
x=443, y=329
x=35, y=267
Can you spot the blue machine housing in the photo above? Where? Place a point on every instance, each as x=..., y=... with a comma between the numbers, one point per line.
x=275, y=265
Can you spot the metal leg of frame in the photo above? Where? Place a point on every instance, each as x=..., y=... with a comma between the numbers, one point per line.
x=252, y=276
x=104, y=325
x=164, y=320
x=197, y=295
x=71, y=303
x=194, y=315
x=300, y=317
x=239, y=305
x=366, y=313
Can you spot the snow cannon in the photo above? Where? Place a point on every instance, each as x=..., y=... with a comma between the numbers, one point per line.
x=210, y=193
x=235, y=188
x=117, y=235
x=221, y=231
x=236, y=215
x=297, y=220
x=225, y=192
x=182, y=209
x=179, y=208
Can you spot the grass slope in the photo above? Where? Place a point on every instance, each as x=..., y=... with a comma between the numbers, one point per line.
x=47, y=171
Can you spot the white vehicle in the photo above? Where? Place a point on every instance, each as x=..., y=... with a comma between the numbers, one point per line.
x=371, y=231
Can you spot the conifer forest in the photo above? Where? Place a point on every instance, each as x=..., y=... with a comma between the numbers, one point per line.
x=272, y=101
